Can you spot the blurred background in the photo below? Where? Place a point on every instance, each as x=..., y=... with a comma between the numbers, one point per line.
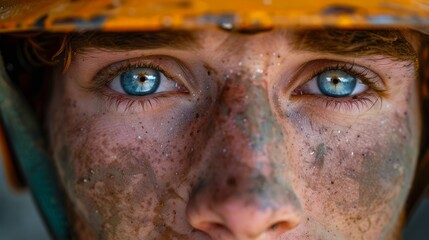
x=19, y=219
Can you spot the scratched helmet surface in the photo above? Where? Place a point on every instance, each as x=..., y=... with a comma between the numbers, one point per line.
x=135, y=15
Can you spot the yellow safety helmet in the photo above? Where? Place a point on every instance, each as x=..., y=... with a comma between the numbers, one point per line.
x=137, y=15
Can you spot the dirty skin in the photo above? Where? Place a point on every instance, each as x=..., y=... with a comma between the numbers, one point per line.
x=150, y=176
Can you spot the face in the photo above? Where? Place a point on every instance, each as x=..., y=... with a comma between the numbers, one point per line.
x=217, y=135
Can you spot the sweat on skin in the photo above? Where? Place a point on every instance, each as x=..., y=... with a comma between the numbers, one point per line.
x=234, y=149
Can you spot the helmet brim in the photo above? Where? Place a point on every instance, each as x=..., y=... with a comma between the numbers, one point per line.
x=137, y=15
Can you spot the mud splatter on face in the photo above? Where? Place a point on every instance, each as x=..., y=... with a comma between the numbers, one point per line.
x=320, y=155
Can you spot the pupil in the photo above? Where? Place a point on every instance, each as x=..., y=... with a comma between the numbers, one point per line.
x=336, y=81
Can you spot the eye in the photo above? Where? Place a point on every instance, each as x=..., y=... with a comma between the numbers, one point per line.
x=333, y=83
x=142, y=81
x=337, y=86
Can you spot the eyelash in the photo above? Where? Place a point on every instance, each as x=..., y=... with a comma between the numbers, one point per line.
x=365, y=100
x=116, y=100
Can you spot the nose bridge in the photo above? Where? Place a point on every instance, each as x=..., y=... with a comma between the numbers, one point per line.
x=246, y=115
x=254, y=155
x=248, y=139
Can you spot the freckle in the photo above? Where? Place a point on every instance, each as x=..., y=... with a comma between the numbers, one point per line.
x=231, y=181
x=332, y=182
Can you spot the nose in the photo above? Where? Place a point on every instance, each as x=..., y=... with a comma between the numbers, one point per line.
x=245, y=193
x=244, y=216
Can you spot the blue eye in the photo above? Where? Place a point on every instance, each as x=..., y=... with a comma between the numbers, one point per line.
x=140, y=81
x=143, y=81
x=336, y=83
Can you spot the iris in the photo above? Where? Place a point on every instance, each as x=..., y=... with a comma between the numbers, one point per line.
x=140, y=81
x=336, y=83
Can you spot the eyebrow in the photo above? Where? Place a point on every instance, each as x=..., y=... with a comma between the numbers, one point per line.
x=391, y=43
x=134, y=40
x=357, y=43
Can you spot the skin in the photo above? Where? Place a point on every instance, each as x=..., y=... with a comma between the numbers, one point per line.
x=241, y=153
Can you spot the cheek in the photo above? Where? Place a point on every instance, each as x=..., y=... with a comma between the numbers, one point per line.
x=127, y=173
x=356, y=174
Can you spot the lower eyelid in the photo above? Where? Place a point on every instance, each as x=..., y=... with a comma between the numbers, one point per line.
x=122, y=103
x=348, y=105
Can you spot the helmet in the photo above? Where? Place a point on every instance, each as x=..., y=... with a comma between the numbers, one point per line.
x=20, y=136
x=134, y=15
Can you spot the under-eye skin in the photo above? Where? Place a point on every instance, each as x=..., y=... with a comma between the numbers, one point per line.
x=339, y=86
x=138, y=81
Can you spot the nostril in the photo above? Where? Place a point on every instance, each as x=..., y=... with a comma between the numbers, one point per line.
x=215, y=229
x=221, y=228
x=274, y=227
x=281, y=226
